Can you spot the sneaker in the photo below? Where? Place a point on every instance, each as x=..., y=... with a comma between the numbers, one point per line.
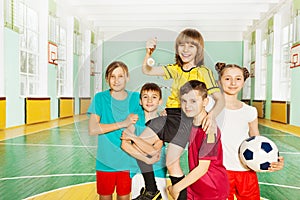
x=147, y=195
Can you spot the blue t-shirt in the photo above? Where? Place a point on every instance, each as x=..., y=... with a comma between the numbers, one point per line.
x=110, y=156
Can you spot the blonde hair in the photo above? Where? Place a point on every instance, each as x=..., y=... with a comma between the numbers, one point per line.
x=194, y=37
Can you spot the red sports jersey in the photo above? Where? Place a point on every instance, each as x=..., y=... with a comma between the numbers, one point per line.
x=214, y=184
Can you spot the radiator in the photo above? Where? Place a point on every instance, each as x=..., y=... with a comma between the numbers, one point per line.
x=84, y=104
x=37, y=110
x=280, y=111
x=2, y=112
x=260, y=107
x=66, y=107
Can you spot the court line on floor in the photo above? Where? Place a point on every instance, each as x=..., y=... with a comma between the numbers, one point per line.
x=83, y=146
x=290, y=153
x=48, y=145
x=279, y=135
x=59, y=189
x=45, y=176
x=278, y=185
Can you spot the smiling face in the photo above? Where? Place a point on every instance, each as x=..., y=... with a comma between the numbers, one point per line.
x=150, y=100
x=232, y=80
x=193, y=104
x=187, y=52
x=117, y=79
x=189, y=46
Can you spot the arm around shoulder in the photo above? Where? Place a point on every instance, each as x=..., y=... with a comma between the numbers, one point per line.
x=219, y=103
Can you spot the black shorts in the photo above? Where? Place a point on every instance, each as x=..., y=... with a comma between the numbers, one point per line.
x=174, y=128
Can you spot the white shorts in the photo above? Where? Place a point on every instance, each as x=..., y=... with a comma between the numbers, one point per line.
x=138, y=183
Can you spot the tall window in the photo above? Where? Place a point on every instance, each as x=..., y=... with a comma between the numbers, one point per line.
x=284, y=70
x=58, y=35
x=283, y=37
x=29, y=37
x=62, y=66
x=261, y=76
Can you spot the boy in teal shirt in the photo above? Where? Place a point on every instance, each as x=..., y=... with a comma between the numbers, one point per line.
x=150, y=99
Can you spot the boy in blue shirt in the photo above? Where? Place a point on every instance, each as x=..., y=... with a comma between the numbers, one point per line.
x=150, y=99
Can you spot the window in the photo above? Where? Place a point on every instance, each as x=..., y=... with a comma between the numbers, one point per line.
x=284, y=70
x=62, y=66
x=283, y=37
x=58, y=35
x=29, y=37
x=261, y=69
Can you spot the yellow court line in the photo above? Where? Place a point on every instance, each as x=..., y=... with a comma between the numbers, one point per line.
x=85, y=191
x=14, y=132
x=287, y=128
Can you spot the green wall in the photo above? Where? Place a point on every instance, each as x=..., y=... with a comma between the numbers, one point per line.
x=132, y=54
x=295, y=97
x=52, y=90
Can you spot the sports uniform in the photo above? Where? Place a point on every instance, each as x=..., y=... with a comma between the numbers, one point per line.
x=175, y=127
x=234, y=125
x=109, y=152
x=213, y=185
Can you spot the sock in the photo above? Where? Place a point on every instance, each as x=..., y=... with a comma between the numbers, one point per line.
x=148, y=175
x=183, y=193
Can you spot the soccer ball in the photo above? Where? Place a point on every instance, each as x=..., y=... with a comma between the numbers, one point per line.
x=258, y=152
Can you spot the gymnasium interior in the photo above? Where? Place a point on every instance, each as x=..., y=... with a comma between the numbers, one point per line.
x=53, y=57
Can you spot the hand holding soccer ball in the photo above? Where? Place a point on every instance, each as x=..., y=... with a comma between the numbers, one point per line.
x=260, y=154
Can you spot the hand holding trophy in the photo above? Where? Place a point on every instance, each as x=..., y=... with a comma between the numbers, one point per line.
x=151, y=46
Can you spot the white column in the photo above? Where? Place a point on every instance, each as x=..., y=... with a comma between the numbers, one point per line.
x=257, y=93
x=43, y=47
x=276, y=58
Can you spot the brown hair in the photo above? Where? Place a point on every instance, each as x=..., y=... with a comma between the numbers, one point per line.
x=220, y=67
x=194, y=37
x=151, y=87
x=114, y=65
x=194, y=85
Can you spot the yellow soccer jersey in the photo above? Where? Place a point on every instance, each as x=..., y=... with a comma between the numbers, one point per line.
x=180, y=76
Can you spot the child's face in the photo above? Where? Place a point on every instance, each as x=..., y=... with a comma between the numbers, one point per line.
x=118, y=79
x=187, y=52
x=232, y=81
x=150, y=100
x=193, y=104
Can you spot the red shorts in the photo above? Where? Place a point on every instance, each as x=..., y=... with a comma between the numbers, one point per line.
x=107, y=181
x=244, y=185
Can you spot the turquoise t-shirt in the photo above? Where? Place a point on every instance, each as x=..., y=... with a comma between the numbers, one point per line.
x=110, y=157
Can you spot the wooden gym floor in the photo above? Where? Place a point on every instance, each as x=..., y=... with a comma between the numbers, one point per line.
x=56, y=161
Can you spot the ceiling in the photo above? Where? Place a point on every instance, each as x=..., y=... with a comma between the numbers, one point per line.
x=230, y=17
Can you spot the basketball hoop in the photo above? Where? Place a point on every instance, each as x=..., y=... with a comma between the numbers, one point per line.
x=52, y=53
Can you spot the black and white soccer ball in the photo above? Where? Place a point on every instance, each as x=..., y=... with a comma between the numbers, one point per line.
x=258, y=152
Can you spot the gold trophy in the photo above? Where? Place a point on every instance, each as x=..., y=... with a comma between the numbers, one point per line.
x=150, y=60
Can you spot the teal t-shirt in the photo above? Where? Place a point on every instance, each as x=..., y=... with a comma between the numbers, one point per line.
x=110, y=157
